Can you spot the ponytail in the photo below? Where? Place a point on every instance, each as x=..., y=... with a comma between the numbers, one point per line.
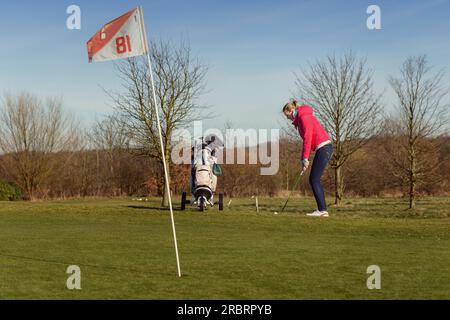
x=291, y=105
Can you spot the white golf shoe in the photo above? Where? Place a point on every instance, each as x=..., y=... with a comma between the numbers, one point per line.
x=319, y=214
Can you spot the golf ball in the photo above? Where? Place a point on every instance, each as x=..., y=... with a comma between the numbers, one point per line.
x=276, y=212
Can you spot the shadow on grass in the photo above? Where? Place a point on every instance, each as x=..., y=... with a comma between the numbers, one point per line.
x=113, y=268
x=153, y=208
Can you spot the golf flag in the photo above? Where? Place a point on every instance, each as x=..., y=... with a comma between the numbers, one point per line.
x=126, y=37
x=121, y=38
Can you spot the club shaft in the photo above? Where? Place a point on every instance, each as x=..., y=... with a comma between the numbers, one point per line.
x=290, y=192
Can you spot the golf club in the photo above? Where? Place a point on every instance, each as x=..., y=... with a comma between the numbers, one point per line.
x=290, y=192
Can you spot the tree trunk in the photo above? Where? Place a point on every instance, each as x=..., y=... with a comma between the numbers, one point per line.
x=338, y=185
x=165, y=199
x=412, y=184
x=98, y=172
x=412, y=198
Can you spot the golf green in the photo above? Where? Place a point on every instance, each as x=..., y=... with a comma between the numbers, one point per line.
x=125, y=250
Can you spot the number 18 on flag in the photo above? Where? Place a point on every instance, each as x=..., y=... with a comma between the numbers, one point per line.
x=123, y=37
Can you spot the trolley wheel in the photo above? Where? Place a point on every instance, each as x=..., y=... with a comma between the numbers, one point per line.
x=201, y=204
x=220, y=201
x=183, y=201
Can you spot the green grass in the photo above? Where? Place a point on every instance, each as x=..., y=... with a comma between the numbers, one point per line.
x=125, y=250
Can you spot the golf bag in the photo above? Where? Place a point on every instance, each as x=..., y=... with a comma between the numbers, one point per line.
x=204, y=170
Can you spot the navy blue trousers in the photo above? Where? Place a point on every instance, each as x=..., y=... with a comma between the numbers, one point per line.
x=321, y=159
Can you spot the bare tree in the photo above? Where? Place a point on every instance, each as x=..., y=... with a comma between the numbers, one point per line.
x=421, y=114
x=179, y=81
x=109, y=134
x=342, y=92
x=109, y=137
x=31, y=131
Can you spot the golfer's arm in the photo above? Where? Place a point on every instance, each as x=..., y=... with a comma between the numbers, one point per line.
x=307, y=139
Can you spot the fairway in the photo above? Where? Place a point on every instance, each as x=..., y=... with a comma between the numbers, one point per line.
x=125, y=250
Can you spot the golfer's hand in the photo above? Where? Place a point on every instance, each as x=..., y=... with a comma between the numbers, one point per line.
x=305, y=165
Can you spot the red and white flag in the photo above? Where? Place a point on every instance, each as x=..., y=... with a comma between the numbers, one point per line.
x=123, y=37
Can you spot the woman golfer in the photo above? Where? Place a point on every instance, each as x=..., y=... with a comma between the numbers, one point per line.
x=315, y=138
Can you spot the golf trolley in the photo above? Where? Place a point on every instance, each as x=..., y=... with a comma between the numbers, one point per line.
x=204, y=173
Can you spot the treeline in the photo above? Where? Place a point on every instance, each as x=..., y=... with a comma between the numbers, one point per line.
x=45, y=153
x=370, y=171
x=122, y=172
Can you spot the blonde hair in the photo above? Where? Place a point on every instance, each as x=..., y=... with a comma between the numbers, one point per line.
x=291, y=105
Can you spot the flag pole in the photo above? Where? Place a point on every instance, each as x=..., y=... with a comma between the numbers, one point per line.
x=166, y=175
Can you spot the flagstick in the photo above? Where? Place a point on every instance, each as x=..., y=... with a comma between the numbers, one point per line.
x=162, y=149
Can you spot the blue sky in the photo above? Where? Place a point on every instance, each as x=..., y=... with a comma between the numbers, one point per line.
x=252, y=48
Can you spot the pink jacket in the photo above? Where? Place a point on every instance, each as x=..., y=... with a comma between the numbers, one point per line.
x=311, y=131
